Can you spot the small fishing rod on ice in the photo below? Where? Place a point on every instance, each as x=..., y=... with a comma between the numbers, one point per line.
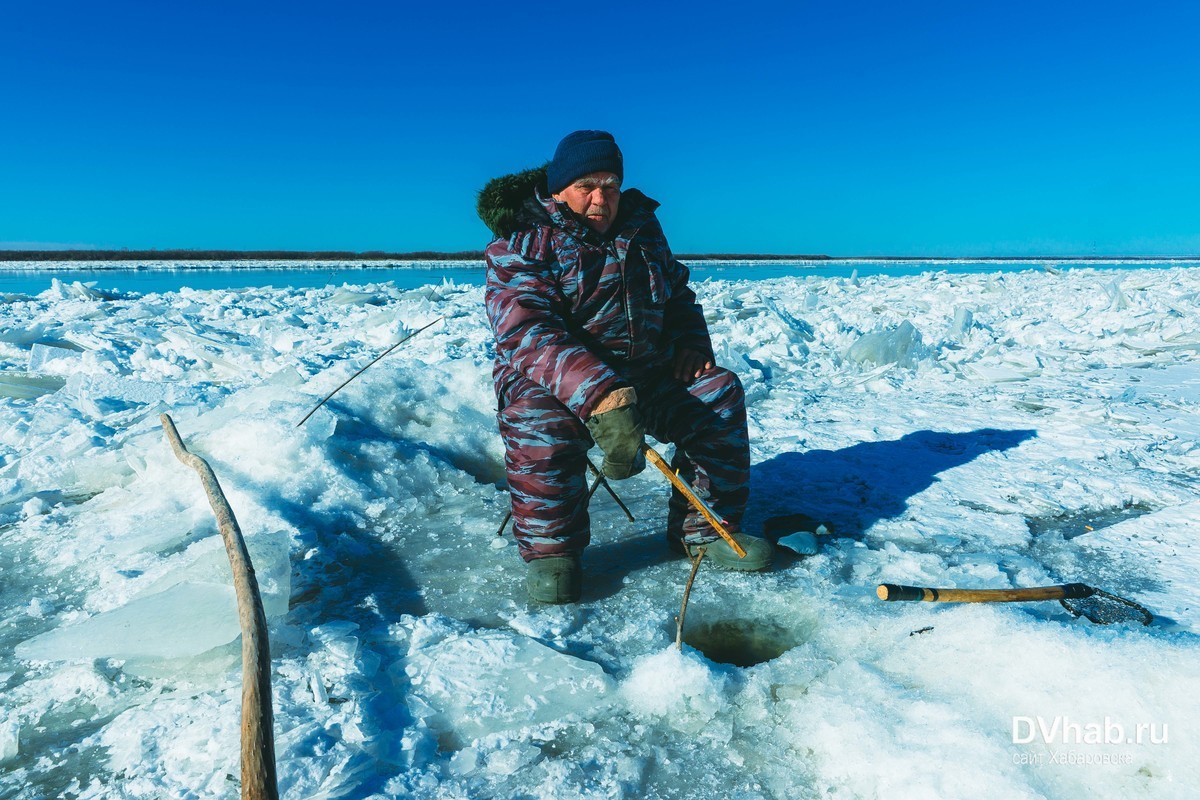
x=364, y=369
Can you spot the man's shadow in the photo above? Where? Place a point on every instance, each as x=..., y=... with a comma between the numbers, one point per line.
x=851, y=489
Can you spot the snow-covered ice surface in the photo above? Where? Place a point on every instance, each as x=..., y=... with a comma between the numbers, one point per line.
x=980, y=431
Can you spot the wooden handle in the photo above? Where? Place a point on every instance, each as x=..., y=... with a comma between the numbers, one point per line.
x=1066, y=591
x=654, y=458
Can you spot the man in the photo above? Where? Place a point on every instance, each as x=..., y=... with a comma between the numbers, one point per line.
x=599, y=338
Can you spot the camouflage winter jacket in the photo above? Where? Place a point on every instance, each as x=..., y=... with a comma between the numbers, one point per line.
x=575, y=311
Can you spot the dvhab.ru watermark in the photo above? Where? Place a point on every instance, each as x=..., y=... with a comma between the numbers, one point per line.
x=1065, y=731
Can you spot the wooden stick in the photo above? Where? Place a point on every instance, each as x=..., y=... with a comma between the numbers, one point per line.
x=654, y=458
x=258, y=738
x=1066, y=591
x=687, y=592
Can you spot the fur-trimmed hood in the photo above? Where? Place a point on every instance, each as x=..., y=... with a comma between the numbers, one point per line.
x=510, y=203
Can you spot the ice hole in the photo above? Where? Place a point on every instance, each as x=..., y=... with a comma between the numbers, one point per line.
x=743, y=642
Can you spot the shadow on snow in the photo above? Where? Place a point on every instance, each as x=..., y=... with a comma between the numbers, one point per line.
x=853, y=488
x=849, y=490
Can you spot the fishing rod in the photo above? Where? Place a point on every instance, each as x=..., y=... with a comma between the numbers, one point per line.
x=364, y=369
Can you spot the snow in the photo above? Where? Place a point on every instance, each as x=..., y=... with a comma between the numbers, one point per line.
x=950, y=430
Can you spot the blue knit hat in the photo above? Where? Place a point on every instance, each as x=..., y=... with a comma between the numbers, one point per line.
x=580, y=153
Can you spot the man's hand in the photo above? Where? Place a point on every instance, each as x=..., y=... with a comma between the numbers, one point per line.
x=620, y=435
x=689, y=365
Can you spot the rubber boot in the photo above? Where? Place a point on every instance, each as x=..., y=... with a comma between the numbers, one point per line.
x=759, y=552
x=558, y=579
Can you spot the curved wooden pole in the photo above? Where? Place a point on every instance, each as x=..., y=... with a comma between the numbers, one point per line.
x=258, y=737
x=1066, y=591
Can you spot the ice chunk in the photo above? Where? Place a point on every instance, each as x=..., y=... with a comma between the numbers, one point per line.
x=39, y=607
x=994, y=374
x=10, y=734
x=186, y=619
x=287, y=376
x=348, y=297
x=797, y=328
x=151, y=524
x=755, y=364
x=494, y=681
x=25, y=334
x=802, y=542
x=21, y=386
x=76, y=290
x=113, y=387
x=514, y=757
x=338, y=638
x=205, y=348
x=272, y=568
x=900, y=345
x=1116, y=296
x=433, y=628
x=34, y=507
x=44, y=353
x=964, y=320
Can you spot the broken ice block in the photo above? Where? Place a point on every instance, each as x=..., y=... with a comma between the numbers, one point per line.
x=519, y=681
x=994, y=374
x=964, y=321
x=272, y=569
x=76, y=290
x=10, y=734
x=802, y=542
x=349, y=297
x=21, y=386
x=900, y=345
x=1117, y=299
x=185, y=620
x=114, y=387
x=43, y=353
x=797, y=328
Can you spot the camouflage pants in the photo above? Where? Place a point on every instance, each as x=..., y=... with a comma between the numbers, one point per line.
x=546, y=447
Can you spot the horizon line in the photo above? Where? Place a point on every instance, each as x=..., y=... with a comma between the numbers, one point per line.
x=216, y=254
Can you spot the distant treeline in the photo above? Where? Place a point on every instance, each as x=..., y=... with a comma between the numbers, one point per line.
x=748, y=257
x=317, y=255
x=234, y=255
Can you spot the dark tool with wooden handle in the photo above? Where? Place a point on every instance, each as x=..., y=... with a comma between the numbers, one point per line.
x=892, y=591
x=1080, y=599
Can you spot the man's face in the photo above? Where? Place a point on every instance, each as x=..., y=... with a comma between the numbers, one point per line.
x=594, y=197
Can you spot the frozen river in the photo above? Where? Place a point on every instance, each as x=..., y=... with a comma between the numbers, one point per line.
x=995, y=430
x=155, y=277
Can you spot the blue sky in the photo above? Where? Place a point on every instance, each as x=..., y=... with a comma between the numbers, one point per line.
x=850, y=128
